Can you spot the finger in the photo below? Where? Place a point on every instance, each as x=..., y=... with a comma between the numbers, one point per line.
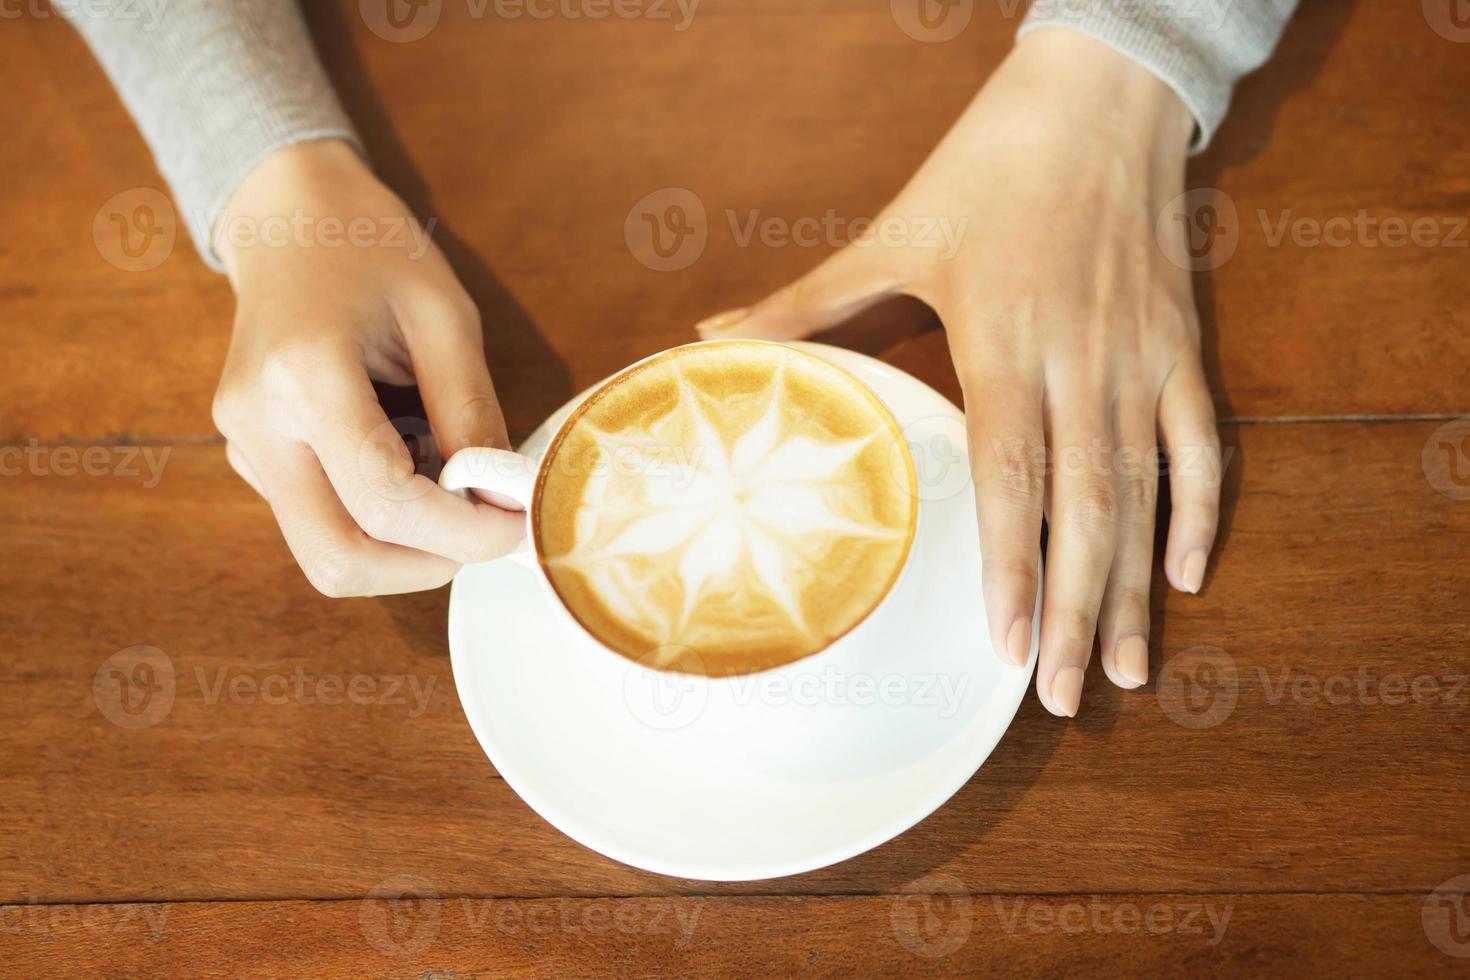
x=1187, y=421
x=373, y=474
x=1083, y=518
x=442, y=331
x=1008, y=461
x=1123, y=619
x=337, y=557
x=242, y=467
x=845, y=284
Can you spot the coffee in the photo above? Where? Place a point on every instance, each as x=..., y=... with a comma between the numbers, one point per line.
x=724, y=508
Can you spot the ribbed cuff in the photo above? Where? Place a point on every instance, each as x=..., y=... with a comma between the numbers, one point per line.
x=215, y=86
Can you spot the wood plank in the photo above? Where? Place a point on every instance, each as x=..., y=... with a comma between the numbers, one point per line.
x=531, y=139
x=930, y=932
x=1341, y=561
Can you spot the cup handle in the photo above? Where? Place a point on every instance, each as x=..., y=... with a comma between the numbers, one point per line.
x=501, y=477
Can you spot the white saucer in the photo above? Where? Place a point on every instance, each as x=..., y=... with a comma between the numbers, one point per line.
x=844, y=769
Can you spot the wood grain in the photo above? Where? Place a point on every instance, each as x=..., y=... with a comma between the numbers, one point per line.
x=933, y=933
x=530, y=140
x=1340, y=562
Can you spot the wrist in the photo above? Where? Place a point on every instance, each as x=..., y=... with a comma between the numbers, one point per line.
x=294, y=177
x=1101, y=92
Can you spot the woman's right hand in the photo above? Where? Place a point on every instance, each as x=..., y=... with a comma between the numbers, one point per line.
x=321, y=313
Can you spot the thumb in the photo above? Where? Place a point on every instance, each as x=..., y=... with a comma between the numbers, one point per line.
x=448, y=353
x=841, y=287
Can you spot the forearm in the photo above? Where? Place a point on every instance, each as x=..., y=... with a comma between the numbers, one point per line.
x=1199, y=49
x=215, y=86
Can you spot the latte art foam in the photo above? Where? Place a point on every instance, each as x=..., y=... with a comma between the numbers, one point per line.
x=725, y=508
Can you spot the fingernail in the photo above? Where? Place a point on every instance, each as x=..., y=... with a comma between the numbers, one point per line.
x=721, y=322
x=1192, y=575
x=1066, y=690
x=1131, y=659
x=1018, y=641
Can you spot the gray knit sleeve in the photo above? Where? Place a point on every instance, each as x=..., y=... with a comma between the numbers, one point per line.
x=215, y=86
x=1198, y=48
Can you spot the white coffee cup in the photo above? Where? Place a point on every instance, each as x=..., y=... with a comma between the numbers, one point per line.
x=510, y=480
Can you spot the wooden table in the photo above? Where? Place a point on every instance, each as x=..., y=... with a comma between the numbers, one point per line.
x=1283, y=799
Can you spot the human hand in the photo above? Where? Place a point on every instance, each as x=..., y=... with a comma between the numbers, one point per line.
x=1073, y=337
x=337, y=285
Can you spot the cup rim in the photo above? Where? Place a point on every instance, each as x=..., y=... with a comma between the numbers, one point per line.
x=548, y=453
